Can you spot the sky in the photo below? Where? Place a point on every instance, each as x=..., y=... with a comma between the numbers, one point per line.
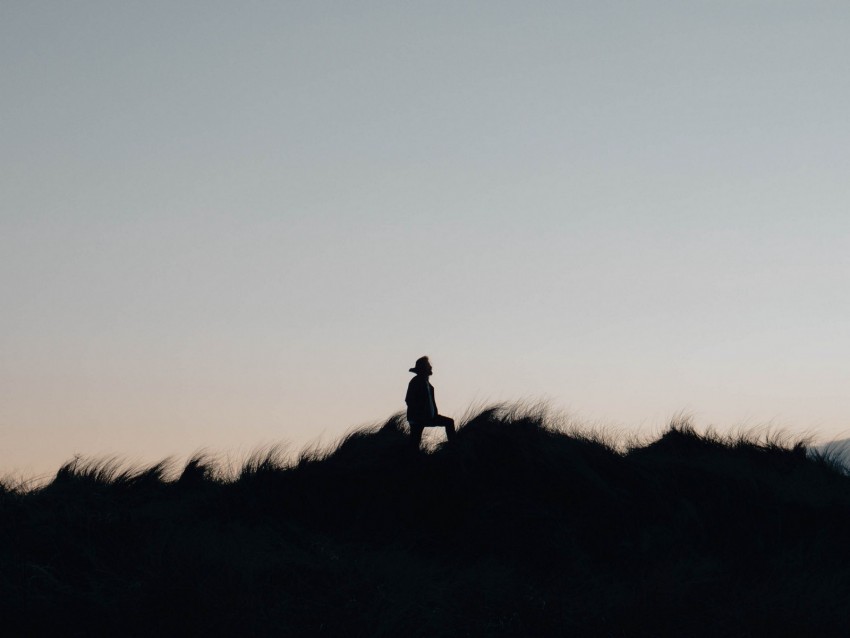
x=230, y=224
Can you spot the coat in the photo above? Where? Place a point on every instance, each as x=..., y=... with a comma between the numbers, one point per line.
x=421, y=406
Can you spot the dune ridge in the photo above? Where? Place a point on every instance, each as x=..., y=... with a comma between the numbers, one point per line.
x=518, y=527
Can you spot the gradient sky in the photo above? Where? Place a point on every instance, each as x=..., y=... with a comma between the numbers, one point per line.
x=225, y=224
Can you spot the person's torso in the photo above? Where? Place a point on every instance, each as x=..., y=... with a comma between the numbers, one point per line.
x=420, y=399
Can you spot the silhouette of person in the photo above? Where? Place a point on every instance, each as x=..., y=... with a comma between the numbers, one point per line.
x=421, y=407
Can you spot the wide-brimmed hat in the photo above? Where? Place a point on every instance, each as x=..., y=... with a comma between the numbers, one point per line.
x=422, y=365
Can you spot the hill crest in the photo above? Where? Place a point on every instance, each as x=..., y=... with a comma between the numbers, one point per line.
x=514, y=528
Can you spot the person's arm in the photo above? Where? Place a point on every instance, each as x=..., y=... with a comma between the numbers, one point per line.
x=434, y=401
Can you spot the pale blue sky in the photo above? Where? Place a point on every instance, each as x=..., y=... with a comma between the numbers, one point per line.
x=224, y=224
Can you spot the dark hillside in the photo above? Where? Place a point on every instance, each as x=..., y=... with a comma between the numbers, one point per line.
x=513, y=529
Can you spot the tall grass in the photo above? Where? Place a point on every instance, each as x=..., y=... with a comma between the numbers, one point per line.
x=526, y=524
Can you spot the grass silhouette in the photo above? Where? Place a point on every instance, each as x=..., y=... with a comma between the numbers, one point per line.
x=519, y=527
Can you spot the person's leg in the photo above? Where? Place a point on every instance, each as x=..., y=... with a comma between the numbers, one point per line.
x=447, y=423
x=416, y=435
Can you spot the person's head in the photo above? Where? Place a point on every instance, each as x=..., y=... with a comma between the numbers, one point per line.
x=423, y=366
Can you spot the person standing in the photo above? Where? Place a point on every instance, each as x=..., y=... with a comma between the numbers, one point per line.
x=421, y=406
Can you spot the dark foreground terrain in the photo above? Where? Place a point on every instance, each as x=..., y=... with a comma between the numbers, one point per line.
x=513, y=529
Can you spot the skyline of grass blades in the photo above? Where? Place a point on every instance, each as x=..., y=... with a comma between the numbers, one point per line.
x=525, y=525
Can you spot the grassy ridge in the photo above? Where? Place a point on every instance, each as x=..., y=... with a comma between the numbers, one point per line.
x=517, y=528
